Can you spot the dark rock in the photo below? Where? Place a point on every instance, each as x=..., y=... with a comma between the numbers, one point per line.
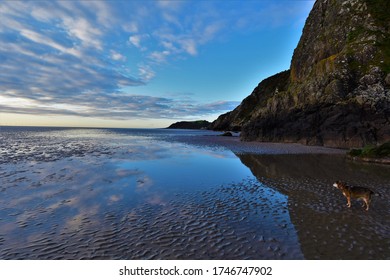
x=190, y=125
x=387, y=79
x=228, y=133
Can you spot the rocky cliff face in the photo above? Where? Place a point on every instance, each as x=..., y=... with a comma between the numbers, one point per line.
x=337, y=91
x=240, y=116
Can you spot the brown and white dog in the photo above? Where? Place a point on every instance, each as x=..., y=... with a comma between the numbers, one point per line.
x=349, y=192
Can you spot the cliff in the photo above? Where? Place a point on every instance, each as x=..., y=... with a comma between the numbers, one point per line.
x=337, y=91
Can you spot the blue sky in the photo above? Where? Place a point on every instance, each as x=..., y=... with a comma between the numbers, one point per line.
x=139, y=63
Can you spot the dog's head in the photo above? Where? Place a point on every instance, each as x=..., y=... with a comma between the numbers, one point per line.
x=339, y=185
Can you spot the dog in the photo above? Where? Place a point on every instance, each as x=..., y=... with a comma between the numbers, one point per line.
x=349, y=192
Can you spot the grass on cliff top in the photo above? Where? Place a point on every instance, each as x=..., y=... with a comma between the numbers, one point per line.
x=372, y=151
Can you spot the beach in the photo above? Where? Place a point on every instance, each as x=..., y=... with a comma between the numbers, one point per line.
x=168, y=194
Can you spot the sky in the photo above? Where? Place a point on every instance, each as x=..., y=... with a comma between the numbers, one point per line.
x=139, y=63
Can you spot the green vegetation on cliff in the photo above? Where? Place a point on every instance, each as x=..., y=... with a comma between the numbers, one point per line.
x=372, y=151
x=376, y=154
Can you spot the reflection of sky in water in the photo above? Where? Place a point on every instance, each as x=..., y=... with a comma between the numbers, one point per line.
x=183, y=172
x=42, y=199
x=141, y=170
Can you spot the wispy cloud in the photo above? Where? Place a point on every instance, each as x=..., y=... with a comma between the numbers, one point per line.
x=135, y=40
x=118, y=106
x=117, y=56
x=56, y=53
x=78, y=57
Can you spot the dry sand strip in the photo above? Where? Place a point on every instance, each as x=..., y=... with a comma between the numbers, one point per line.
x=241, y=147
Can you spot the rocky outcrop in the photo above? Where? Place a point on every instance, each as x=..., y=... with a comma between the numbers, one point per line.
x=337, y=91
x=237, y=118
x=190, y=125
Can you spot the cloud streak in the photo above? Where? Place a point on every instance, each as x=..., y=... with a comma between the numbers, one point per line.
x=118, y=107
x=81, y=57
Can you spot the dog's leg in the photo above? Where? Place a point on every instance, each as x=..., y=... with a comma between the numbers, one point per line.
x=349, y=201
x=367, y=201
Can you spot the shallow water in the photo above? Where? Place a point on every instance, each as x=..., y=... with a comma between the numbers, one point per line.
x=169, y=194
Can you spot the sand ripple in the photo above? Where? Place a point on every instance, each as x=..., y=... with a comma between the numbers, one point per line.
x=228, y=223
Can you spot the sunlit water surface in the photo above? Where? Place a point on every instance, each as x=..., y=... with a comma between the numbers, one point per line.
x=158, y=194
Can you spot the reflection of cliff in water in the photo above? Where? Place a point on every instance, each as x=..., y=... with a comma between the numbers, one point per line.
x=326, y=228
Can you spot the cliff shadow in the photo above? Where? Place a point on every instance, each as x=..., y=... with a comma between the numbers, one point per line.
x=326, y=227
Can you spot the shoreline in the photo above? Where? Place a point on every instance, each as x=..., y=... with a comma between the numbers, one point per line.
x=242, y=147
x=385, y=160
x=236, y=145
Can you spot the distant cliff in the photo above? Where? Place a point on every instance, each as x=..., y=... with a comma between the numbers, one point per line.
x=337, y=91
x=190, y=125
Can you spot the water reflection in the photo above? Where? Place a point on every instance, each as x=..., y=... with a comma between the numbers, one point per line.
x=327, y=229
x=117, y=194
x=117, y=199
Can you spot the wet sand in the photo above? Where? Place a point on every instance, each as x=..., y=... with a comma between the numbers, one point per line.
x=326, y=227
x=105, y=197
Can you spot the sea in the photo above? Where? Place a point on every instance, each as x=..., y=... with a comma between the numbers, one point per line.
x=104, y=193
